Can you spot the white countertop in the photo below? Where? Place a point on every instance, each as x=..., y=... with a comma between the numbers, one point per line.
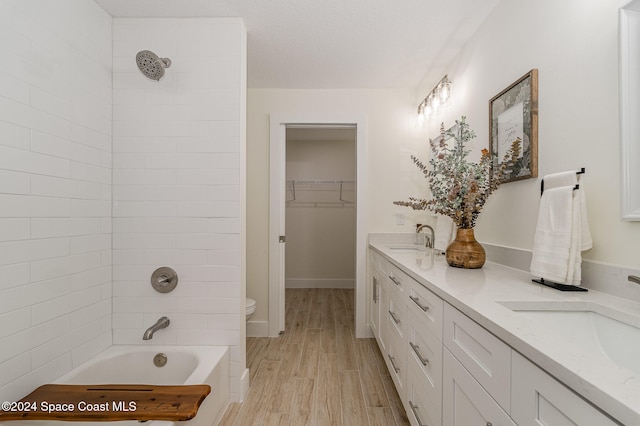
x=614, y=389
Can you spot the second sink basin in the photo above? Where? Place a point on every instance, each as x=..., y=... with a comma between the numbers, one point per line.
x=614, y=334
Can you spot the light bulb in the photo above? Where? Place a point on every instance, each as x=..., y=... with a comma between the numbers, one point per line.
x=444, y=90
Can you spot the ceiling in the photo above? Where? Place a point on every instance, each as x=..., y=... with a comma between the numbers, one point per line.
x=336, y=44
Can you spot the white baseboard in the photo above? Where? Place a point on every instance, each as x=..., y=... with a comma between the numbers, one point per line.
x=319, y=283
x=244, y=384
x=258, y=329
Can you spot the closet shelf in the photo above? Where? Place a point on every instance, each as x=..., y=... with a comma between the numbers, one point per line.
x=320, y=192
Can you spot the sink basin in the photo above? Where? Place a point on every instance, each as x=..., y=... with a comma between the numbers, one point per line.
x=594, y=327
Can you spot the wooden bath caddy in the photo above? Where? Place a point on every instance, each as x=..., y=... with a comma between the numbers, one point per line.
x=104, y=403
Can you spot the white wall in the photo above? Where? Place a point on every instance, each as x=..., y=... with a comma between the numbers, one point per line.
x=178, y=181
x=574, y=45
x=320, y=230
x=55, y=189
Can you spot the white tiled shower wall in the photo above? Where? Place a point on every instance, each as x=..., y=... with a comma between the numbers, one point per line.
x=55, y=189
x=174, y=165
x=177, y=182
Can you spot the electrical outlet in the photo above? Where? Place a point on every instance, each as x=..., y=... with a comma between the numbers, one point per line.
x=400, y=218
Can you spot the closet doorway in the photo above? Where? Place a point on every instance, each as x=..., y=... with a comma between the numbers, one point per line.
x=317, y=223
x=320, y=214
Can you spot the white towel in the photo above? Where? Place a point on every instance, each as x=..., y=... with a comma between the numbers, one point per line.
x=570, y=178
x=445, y=232
x=553, y=257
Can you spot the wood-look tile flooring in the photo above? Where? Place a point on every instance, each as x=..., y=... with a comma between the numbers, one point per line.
x=317, y=373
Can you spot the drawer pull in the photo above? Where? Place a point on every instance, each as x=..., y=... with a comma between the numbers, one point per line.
x=416, y=300
x=394, y=317
x=375, y=290
x=414, y=408
x=416, y=349
x=395, y=281
x=391, y=358
x=489, y=424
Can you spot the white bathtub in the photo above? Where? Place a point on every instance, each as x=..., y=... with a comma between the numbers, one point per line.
x=134, y=364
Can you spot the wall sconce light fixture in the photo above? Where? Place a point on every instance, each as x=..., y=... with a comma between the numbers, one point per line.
x=438, y=97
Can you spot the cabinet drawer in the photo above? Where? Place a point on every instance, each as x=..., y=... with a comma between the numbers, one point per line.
x=379, y=262
x=540, y=400
x=397, y=317
x=464, y=401
x=399, y=282
x=486, y=357
x=424, y=359
x=396, y=359
x=427, y=306
x=421, y=406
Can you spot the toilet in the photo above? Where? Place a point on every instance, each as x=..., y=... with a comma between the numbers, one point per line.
x=250, y=308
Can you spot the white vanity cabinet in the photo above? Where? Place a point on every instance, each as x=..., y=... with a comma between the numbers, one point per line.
x=540, y=400
x=450, y=371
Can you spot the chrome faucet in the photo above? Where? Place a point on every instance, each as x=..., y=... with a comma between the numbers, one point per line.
x=163, y=322
x=430, y=240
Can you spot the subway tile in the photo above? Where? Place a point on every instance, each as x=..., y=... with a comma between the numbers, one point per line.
x=59, y=106
x=208, y=337
x=125, y=289
x=224, y=192
x=14, y=252
x=132, y=272
x=224, y=225
x=15, y=321
x=14, y=135
x=49, y=227
x=89, y=172
x=11, y=369
x=89, y=243
x=128, y=96
x=45, y=374
x=48, y=248
x=128, y=257
x=90, y=208
x=175, y=257
x=127, y=320
x=14, y=275
x=90, y=278
x=207, y=241
x=143, y=144
x=209, y=144
x=209, y=209
x=64, y=305
x=85, y=190
x=143, y=241
x=223, y=257
x=93, y=347
x=32, y=206
x=14, y=88
x=208, y=177
x=90, y=137
x=143, y=177
x=144, y=208
x=49, y=269
x=62, y=345
x=12, y=229
x=12, y=182
x=90, y=313
x=50, y=186
x=85, y=226
x=28, y=294
x=210, y=273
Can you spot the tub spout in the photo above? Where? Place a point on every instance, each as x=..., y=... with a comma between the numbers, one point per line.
x=160, y=324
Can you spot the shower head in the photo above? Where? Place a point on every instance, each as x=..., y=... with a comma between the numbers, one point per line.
x=152, y=66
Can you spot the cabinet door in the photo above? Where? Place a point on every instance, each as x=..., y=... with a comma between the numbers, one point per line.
x=540, y=400
x=464, y=401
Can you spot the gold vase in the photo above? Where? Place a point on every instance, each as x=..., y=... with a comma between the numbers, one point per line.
x=465, y=251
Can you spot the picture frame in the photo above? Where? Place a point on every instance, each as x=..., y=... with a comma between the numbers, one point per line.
x=513, y=114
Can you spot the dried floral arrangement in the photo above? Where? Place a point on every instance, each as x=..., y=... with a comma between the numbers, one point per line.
x=460, y=188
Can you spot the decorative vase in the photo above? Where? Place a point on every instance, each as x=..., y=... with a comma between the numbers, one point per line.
x=465, y=251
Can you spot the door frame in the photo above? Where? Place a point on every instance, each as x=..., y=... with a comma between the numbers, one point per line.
x=277, y=197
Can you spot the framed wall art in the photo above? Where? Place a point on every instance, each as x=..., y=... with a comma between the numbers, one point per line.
x=513, y=115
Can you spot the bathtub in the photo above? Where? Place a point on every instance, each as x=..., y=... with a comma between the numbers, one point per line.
x=134, y=365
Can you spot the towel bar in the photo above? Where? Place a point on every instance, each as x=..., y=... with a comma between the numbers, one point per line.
x=579, y=172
